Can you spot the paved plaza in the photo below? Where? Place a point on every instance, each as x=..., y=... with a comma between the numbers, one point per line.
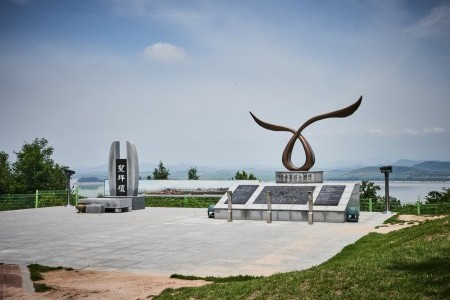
x=165, y=241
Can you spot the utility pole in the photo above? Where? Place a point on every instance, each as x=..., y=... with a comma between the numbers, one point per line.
x=386, y=170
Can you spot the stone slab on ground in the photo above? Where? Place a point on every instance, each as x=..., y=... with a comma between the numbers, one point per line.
x=15, y=282
x=164, y=241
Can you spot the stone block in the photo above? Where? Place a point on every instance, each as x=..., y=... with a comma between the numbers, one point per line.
x=138, y=202
x=299, y=216
x=283, y=215
x=124, y=204
x=254, y=215
x=319, y=216
x=95, y=208
x=238, y=214
x=335, y=217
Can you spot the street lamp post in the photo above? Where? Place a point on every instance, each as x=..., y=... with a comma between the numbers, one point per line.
x=386, y=170
x=68, y=173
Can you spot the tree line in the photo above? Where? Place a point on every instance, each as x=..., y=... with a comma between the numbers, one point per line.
x=33, y=169
x=162, y=173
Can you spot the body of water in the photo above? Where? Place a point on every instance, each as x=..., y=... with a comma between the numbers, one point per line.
x=410, y=191
x=405, y=191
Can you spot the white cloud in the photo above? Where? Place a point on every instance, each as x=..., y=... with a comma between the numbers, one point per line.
x=434, y=24
x=164, y=53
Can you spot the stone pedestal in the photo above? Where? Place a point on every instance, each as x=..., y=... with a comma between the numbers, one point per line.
x=115, y=204
x=289, y=202
x=299, y=177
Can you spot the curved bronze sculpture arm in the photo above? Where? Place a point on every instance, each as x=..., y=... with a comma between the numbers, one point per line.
x=310, y=158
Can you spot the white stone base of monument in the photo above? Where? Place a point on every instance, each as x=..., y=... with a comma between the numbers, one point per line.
x=299, y=176
x=137, y=202
x=95, y=208
x=290, y=203
x=115, y=204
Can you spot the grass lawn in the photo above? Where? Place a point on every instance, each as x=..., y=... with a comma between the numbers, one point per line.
x=412, y=263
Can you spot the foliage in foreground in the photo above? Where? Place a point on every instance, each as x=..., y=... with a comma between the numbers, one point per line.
x=411, y=263
x=36, y=271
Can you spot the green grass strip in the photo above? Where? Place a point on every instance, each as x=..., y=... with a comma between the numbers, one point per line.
x=191, y=202
x=216, y=279
x=412, y=263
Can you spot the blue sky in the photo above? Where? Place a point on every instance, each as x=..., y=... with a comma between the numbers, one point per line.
x=179, y=78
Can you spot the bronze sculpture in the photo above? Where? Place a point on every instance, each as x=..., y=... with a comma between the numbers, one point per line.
x=310, y=159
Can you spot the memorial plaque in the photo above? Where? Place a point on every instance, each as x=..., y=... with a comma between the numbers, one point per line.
x=285, y=194
x=330, y=195
x=242, y=193
x=121, y=177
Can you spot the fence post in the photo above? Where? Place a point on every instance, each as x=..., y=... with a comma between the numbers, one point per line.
x=370, y=204
x=269, y=207
x=230, y=208
x=36, y=201
x=310, y=208
x=418, y=207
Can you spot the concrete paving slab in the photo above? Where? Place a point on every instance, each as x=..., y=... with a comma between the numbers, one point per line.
x=164, y=241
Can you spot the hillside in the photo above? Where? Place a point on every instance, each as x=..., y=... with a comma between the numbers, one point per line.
x=434, y=166
x=430, y=170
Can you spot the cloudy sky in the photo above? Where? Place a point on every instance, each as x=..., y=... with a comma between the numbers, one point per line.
x=180, y=77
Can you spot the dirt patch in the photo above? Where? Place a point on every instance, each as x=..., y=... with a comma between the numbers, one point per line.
x=405, y=221
x=83, y=284
x=109, y=285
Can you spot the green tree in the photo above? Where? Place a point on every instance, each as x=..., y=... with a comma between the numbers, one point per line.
x=34, y=168
x=435, y=197
x=244, y=176
x=368, y=190
x=5, y=173
x=161, y=172
x=192, y=174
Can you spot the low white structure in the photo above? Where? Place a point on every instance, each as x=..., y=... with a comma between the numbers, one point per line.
x=289, y=201
x=153, y=186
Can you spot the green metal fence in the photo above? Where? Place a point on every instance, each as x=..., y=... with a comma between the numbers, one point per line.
x=418, y=208
x=38, y=199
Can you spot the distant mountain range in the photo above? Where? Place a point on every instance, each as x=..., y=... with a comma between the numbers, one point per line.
x=403, y=169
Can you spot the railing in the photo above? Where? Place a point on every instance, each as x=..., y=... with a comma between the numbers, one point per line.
x=36, y=200
x=417, y=208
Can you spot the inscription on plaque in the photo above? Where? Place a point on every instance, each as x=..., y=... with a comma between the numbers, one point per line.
x=285, y=194
x=242, y=193
x=121, y=177
x=330, y=195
